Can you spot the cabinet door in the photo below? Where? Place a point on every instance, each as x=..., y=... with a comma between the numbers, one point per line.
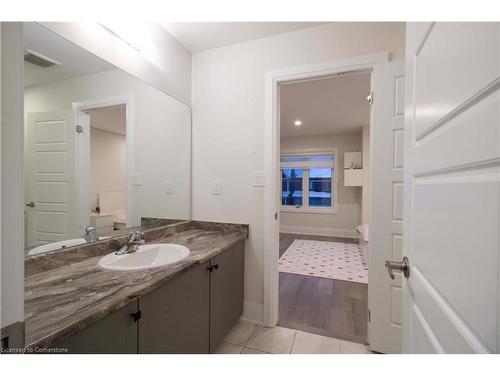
x=226, y=292
x=114, y=334
x=174, y=317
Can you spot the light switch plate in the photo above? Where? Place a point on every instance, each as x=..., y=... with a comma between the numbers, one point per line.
x=169, y=187
x=259, y=178
x=136, y=179
x=217, y=187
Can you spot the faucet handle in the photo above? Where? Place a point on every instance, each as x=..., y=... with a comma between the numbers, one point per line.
x=136, y=236
x=88, y=229
x=131, y=237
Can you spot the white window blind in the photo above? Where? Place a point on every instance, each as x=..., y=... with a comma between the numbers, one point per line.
x=307, y=161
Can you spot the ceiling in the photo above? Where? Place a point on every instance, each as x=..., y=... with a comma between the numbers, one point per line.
x=75, y=60
x=325, y=106
x=112, y=119
x=198, y=36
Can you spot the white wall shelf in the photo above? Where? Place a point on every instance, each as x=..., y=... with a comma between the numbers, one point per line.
x=353, y=160
x=353, y=177
x=353, y=172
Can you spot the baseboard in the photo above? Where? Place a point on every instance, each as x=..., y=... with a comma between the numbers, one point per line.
x=253, y=313
x=315, y=231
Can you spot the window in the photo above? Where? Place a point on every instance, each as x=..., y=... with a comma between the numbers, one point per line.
x=308, y=182
x=320, y=187
x=291, y=190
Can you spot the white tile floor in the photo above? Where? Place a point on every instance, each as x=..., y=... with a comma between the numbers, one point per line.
x=249, y=339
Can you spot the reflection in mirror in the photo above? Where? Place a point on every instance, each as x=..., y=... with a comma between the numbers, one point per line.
x=103, y=149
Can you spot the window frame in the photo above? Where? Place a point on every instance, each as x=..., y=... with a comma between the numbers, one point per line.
x=305, y=208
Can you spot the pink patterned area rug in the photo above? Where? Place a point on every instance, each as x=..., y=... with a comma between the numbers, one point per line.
x=331, y=260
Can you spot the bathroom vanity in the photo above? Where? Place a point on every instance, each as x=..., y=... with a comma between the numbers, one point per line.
x=184, y=307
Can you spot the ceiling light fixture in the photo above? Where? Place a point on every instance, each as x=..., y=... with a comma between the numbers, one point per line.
x=297, y=123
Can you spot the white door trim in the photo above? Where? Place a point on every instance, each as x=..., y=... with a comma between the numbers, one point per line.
x=272, y=160
x=79, y=108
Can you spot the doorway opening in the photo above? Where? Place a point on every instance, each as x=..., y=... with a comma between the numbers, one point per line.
x=323, y=189
x=108, y=169
x=105, y=161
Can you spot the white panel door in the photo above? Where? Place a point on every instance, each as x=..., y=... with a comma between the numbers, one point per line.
x=452, y=185
x=51, y=208
x=387, y=156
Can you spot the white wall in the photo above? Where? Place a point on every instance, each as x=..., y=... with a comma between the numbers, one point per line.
x=162, y=135
x=228, y=121
x=162, y=62
x=344, y=223
x=365, y=198
x=12, y=202
x=108, y=162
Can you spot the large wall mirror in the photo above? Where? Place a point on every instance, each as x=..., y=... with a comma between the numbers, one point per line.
x=103, y=149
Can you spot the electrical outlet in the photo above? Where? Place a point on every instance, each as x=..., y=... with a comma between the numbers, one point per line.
x=169, y=187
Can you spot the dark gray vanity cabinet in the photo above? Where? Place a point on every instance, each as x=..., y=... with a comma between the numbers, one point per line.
x=226, y=292
x=175, y=316
x=114, y=334
x=192, y=313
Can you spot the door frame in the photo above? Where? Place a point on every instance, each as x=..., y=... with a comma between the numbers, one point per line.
x=272, y=161
x=79, y=109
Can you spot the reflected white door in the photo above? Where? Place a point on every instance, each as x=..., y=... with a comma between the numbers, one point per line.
x=452, y=188
x=387, y=156
x=51, y=208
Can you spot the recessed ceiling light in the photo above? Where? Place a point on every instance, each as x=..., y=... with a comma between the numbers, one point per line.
x=297, y=123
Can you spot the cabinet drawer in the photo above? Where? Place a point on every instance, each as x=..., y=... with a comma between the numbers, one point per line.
x=101, y=221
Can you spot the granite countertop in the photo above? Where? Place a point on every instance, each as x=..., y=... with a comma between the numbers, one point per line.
x=66, y=291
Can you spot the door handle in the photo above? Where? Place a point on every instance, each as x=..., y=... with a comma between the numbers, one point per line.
x=30, y=204
x=403, y=266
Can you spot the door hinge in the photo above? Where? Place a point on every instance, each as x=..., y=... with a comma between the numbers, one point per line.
x=79, y=129
x=137, y=315
x=369, y=98
x=275, y=216
x=369, y=315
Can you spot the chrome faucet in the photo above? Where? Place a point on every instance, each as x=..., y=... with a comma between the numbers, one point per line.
x=134, y=240
x=90, y=234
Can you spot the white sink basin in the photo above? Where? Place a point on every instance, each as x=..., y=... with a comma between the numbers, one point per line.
x=147, y=256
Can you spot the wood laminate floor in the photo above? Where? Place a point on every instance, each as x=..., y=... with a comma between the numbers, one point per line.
x=326, y=307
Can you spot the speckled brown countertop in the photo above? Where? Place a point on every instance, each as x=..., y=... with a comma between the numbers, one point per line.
x=66, y=291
